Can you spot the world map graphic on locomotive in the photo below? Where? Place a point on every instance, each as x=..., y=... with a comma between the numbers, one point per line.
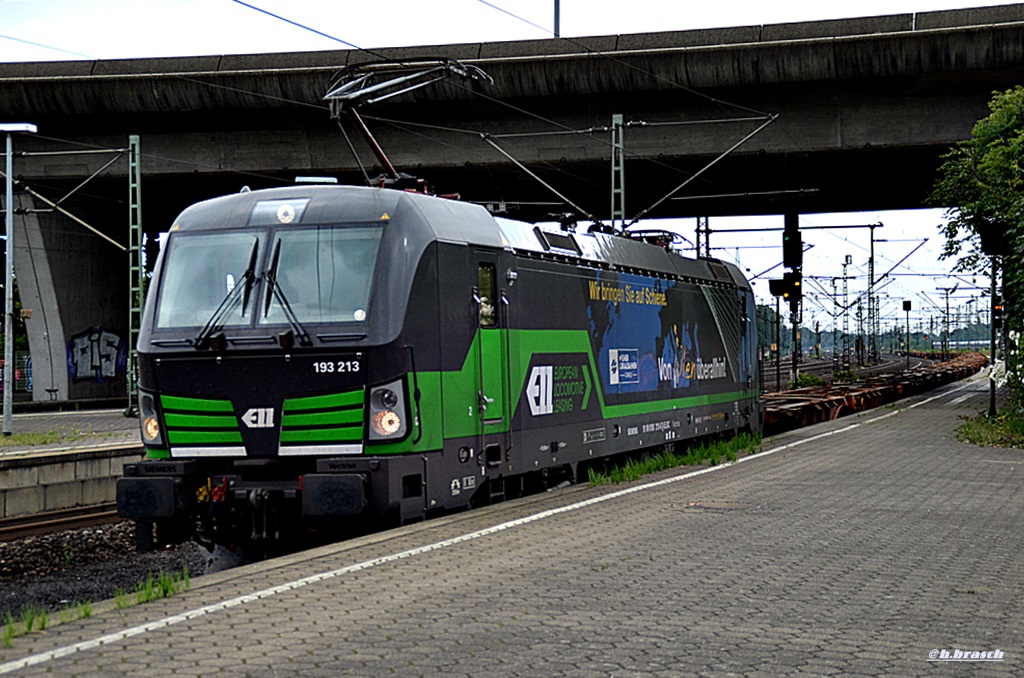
x=651, y=334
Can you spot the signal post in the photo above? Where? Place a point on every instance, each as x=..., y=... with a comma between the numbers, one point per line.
x=790, y=286
x=792, y=258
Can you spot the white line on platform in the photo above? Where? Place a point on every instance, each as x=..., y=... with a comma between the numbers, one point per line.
x=365, y=565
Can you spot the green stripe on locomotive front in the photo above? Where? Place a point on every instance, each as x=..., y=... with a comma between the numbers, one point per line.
x=176, y=420
x=323, y=419
x=195, y=404
x=352, y=398
x=197, y=421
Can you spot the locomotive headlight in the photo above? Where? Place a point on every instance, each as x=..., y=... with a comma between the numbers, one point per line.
x=386, y=423
x=150, y=429
x=149, y=421
x=387, y=398
x=387, y=417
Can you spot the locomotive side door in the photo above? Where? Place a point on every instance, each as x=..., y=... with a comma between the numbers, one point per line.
x=492, y=319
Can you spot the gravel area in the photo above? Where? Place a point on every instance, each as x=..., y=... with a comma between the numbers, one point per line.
x=87, y=565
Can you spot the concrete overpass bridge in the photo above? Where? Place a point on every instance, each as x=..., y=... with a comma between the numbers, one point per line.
x=862, y=109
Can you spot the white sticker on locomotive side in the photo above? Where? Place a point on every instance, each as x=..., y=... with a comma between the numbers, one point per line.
x=623, y=366
x=539, y=390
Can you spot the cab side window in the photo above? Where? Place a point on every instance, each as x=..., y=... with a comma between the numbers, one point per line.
x=486, y=291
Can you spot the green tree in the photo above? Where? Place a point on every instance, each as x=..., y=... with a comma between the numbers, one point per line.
x=981, y=181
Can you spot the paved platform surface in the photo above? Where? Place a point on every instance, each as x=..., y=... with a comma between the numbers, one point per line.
x=864, y=546
x=47, y=432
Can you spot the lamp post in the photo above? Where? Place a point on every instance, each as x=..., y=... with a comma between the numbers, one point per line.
x=945, y=347
x=10, y=128
x=906, y=307
x=992, y=340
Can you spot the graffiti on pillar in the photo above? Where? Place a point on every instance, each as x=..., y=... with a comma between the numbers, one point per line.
x=96, y=354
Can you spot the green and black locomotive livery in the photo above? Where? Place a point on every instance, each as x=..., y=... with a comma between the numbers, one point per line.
x=322, y=357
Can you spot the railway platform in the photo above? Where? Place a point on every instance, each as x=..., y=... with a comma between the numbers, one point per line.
x=49, y=431
x=876, y=544
x=57, y=460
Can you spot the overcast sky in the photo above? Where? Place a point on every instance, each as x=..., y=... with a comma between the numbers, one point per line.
x=112, y=29
x=56, y=30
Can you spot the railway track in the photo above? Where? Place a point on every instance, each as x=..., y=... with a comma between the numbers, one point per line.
x=825, y=368
x=57, y=521
x=786, y=410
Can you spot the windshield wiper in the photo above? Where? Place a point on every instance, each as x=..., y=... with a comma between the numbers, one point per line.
x=287, y=339
x=237, y=294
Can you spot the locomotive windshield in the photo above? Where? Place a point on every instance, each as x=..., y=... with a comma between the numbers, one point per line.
x=200, y=272
x=323, y=274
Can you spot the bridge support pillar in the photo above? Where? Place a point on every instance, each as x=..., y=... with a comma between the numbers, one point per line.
x=73, y=282
x=36, y=290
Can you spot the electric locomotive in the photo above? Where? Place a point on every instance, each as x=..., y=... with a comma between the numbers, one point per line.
x=319, y=358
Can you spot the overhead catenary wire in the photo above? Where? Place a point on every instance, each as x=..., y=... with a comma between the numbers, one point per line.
x=532, y=174
x=657, y=77
x=407, y=125
x=582, y=46
x=162, y=158
x=67, y=214
x=644, y=212
x=769, y=117
x=605, y=129
x=39, y=44
x=761, y=114
x=278, y=179
x=296, y=23
x=120, y=154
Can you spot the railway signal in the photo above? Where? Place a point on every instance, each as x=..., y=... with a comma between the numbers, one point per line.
x=789, y=286
x=792, y=290
x=792, y=243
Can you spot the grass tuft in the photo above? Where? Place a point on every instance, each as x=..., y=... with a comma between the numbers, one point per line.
x=1003, y=430
x=8, y=631
x=711, y=452
x=29, y=613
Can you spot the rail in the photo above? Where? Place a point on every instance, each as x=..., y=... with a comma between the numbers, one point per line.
x=49, y=522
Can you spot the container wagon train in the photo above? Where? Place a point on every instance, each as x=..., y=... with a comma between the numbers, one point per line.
x=321, y=358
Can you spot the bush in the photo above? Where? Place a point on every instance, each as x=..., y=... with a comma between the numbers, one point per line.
x=806, y=379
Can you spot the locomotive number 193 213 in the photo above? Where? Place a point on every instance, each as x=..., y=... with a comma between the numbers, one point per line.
x=336, y=366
